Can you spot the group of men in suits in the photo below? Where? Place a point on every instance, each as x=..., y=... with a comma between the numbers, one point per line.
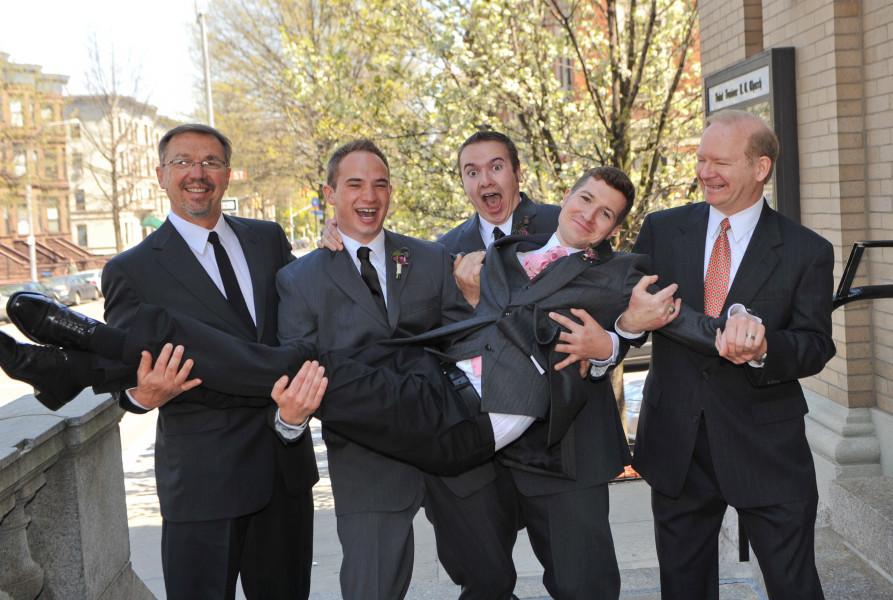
x=722, y=422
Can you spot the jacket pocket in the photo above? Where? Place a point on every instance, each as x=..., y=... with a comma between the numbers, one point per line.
x=651, y=393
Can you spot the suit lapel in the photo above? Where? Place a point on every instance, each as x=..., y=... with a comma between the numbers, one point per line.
x=688, y=250
x=345, y=275
x=394, y=285
x=471, y=235
x=176, y=257
x=759, y=260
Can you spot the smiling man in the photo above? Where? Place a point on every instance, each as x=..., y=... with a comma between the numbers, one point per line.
x=712, y=434
x=381, y=286
x=234, y=501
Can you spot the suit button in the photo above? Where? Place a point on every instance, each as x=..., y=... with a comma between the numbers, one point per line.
x=506, y=313
x=705, y=375
x=488, y=348
x=695, y=419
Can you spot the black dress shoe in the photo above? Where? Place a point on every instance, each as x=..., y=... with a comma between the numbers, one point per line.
x=46, y=321
x=44, y=367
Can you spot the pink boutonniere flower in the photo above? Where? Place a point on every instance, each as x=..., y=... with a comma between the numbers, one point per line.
x=401, y=257
x=521, y=226
x=589, y=253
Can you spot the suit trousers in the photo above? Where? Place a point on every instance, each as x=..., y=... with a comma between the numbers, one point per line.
x=475, y=535
x=577, y=554
x=417, y=415
x=202, y=560
x=687, y=533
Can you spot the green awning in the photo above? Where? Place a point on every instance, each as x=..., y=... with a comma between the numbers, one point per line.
x=151, y=221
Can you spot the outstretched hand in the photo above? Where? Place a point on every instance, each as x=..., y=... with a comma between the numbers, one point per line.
x=647, y=311
x=584, y=339
x=299, y=399
x=331, y=237
x=158, y=384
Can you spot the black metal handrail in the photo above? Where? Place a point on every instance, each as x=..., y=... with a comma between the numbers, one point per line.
x=845, y=293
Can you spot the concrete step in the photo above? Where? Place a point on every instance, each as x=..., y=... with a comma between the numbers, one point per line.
x=862, y=514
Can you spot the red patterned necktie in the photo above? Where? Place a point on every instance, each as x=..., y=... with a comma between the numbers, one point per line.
x=716, y=284
x=534, y=263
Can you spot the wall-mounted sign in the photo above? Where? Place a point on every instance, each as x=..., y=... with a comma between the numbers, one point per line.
x=229, y=205
x=739, y=90
x=238, y=175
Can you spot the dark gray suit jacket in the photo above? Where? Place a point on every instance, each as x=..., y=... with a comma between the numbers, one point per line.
x=533, y=218
x=579, y=439
x=325, y=301
x=210, y=464
x=754, y=417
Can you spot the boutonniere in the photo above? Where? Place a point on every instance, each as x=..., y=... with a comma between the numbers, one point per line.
x=401, y=257
x=520, y=228
x=589, y=254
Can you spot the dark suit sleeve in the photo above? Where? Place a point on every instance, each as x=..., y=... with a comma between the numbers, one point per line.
x=122, y=301
x=691, y=328
x=798, y=341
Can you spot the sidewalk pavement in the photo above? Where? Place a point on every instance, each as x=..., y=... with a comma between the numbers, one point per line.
x=630, y=518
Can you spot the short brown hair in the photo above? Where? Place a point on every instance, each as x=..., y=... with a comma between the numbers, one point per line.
x=486, y=135
x=195, y=128
x=358, y=145
x=614, y=178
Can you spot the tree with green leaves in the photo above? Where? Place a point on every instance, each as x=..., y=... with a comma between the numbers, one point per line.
x=575, y=84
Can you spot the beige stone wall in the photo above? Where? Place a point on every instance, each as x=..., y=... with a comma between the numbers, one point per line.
x=844, y=62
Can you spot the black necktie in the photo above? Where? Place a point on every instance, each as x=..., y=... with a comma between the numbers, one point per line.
x=497, y=234
x=370, y=276
x=230, y=283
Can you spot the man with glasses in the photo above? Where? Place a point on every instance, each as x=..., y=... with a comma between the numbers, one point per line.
x=234, y=500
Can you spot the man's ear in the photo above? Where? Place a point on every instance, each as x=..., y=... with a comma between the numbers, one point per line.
x=764, y=164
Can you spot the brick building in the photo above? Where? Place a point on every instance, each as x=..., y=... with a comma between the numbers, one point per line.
x=843, y=75
x=33, y=155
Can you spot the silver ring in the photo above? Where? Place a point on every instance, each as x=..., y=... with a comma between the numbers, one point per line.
x=750, y=336
x=671, y=309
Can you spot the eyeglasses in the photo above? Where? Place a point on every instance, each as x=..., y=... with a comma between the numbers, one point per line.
x=182, y=164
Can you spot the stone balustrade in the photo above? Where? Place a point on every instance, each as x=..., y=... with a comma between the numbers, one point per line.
x=63, y=515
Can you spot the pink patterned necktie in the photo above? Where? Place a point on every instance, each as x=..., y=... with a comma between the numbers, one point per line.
x=534, y=263
x=716, y=284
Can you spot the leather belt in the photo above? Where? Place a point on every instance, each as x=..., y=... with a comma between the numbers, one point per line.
x=463, y=387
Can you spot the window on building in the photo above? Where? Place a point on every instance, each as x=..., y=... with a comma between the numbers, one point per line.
x=22, y=219
x=53, y=221
x=77, y=165
x=19, y=161
x=46, y=113
x=80, y=202
x=76, y=131
x=51, y=163
x=82, y=235
x=16, y=112
x=566, y=74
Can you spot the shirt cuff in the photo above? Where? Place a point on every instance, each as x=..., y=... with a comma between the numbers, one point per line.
x=737, y=309
x=288, y=431
x=626, y=334
x=134, y=402
x=600, y=367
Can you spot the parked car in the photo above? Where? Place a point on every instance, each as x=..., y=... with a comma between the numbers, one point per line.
x=27, y=286
x=71, y=289
x=94, y=276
